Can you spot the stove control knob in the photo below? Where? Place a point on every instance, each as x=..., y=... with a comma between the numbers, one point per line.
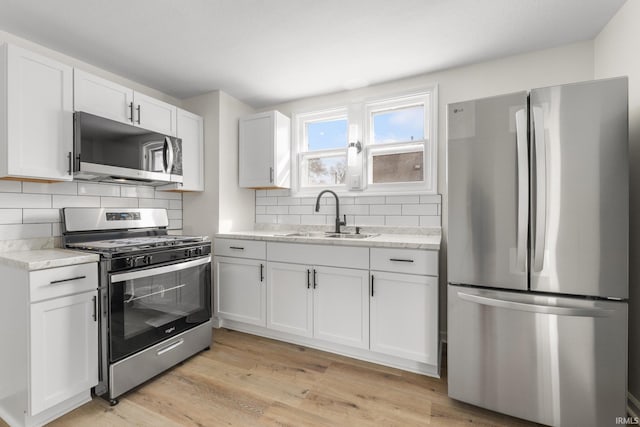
x=198, y=251
x=147, y=259
x=187, y=252
x=130, y=262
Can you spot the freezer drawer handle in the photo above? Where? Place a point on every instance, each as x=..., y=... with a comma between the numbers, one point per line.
x=400, y=260
x=536, y=308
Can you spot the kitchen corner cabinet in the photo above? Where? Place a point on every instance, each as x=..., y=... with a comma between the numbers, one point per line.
x=101, y=97
x=51, y=363
x=265, y=151
x=190, y=128
x=404, y=303
x=36, y=116
x=239, y=281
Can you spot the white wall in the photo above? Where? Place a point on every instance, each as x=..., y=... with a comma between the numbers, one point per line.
x=569, y=63
x=223, y=206
x=616, y=54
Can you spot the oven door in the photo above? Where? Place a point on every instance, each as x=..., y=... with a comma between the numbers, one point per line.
x=150, y=305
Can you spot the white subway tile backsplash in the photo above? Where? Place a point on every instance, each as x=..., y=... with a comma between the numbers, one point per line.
x=421, y=209
x=32, y=216
x=277, y=210
x=406, y=220
x=430, y=221
x=370, y=200
x=385, y=209
x=153, y=203
x=19, y=200
x=24, y=231
x=60, y=201
x=93, y=189
x=278, y=206
x=402, y=199
x=8, y=186
x=139, y=191
x=169, y=195
x=118, y=202
x=10, y=216
x=32, y=209
x=53, y=188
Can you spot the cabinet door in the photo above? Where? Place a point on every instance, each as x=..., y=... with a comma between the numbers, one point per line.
x=404, y=316
x=39, y=116
x=191, y=131
x=240, y=290
x=155, y=115
x=256, y=166
x=290, y=298
x=341, y=306
x=95, y=95
x=64, y=349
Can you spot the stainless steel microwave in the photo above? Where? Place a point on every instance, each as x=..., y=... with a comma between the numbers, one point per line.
x=106, y=150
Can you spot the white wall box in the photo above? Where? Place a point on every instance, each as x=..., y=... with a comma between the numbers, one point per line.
x=50, y=362
x=36, y=116
x=265, y=151
x=101, y=97
x=190, y=128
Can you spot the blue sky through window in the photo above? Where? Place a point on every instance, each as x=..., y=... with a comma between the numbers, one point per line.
x=401, y=125
x=327, y=134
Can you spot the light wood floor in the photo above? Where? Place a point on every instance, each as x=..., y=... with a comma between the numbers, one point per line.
x=246, y=380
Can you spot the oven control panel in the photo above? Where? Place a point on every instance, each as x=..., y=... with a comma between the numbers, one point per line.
x=159, y=256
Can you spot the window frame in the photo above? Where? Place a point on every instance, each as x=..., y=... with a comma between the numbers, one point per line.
x=360, y=114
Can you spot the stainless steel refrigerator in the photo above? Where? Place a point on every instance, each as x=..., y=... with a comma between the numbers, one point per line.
x=538, y=253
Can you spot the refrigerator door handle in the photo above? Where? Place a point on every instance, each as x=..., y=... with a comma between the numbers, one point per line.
x=523, y=189
x=540, y=189
x=537, y=308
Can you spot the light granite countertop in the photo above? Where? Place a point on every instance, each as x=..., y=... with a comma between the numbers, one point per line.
x=418, y=238
x=41, y=259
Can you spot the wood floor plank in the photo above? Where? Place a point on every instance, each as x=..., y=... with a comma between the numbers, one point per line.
x=244, y=380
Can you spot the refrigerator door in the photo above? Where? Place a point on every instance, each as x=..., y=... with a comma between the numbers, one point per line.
x=487, y=173
x=555, y=361
x=580, y=189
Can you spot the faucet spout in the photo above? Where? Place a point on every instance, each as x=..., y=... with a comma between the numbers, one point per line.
x=338, y=221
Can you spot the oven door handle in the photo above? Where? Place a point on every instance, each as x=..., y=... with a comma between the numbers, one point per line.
x=139, y=274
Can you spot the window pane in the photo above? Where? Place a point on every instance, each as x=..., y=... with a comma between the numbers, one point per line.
x=398, y=167
x=326, y=170
x=401, y=125
x=326, y=134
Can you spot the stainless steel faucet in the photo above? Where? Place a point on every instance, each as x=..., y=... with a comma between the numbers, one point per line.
x=338, y=222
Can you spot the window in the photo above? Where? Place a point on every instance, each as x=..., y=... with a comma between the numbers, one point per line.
x=397, y=138
x=322, y=148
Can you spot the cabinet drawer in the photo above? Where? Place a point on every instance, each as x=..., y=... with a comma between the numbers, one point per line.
x=412, y=261
x=329, y=255
x=240, y=248
x=61, y=281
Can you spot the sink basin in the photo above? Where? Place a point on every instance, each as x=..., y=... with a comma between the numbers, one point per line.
x=329, y=235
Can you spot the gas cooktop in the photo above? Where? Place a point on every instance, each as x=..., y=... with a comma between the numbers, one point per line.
x=131, y=244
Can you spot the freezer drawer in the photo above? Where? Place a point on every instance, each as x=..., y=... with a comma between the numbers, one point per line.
x=556, y=361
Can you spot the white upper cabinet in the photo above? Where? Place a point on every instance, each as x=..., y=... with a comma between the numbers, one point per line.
x=36, y=116
x=190, y=129
x=101, y=97
x=265, y=151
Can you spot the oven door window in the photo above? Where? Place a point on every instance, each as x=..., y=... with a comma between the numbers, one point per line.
x=150, y=305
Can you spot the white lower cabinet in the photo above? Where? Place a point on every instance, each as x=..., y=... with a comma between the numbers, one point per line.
x=240, y=290
x=325, y=303
x=51, y=363
x=341, y=306
x=404, y=316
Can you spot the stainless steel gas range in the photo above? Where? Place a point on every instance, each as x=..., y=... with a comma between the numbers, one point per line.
x=154, y=294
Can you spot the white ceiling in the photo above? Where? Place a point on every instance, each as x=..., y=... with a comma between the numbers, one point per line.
x=268, y=51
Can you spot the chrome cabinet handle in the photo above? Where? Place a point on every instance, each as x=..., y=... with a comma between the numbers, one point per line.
x=262, y=272
x=372, y=285
x=95, y=308
x=70, y=157
x=271, y=175
x=240, y=248
x=138, y=109
x=308, y=278
x=315, y=279
x=57, y=282
x=400, y=260
x=131, y=111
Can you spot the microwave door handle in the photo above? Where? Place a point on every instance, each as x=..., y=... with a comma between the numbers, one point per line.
x=165, y=156
x=169, y=151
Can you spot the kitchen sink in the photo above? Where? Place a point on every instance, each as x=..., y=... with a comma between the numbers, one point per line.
x=330, y=235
